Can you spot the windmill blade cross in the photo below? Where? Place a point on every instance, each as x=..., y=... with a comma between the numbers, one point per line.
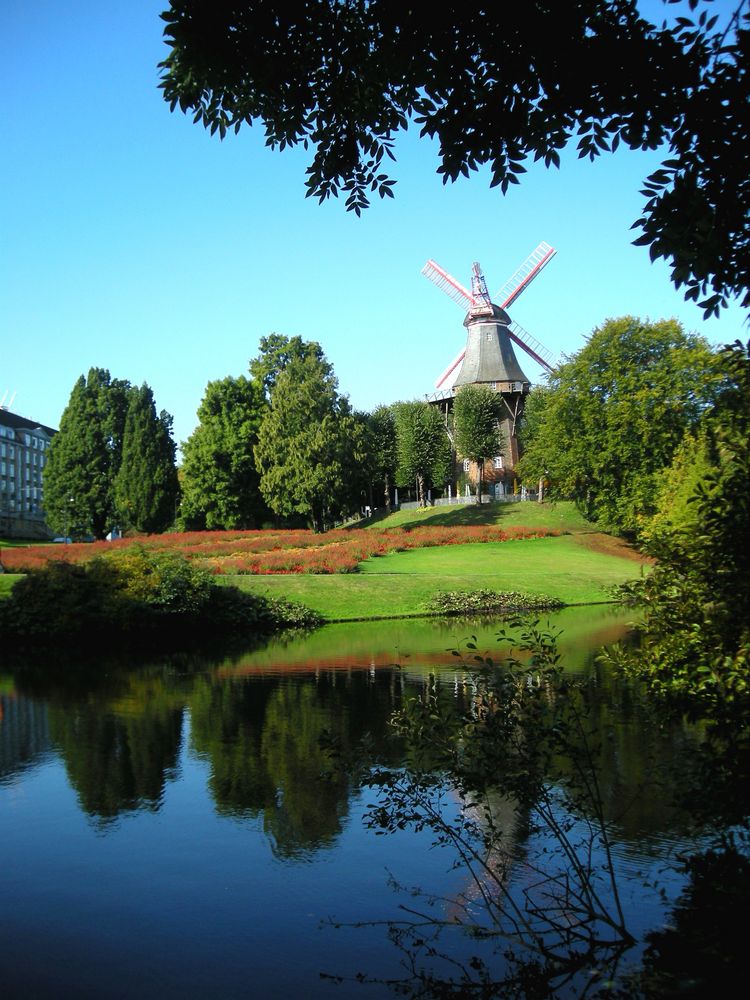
x=531, y=345
x=448, y=284
x=525, y=274
x=451, y=368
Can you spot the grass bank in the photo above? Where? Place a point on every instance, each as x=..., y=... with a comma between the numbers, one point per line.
x=561, y=516
x=401, y=584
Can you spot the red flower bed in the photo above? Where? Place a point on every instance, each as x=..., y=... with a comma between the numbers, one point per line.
x=268, y=551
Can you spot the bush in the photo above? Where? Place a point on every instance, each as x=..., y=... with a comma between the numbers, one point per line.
x=144, y=593
x=460, y=602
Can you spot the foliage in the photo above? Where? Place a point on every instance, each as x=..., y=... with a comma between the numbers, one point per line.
x=614, y=414
x=307, y=444
x=106, y=422
x=695, y=637
x=475, y=426
x=220, y=484
x=145, y=486
x=271, y=551
x=494, y=87
x=677, y=485
x=139, y=592
x=276, y=352
x=422, y=446
x=384, y=449
x=84, y=457
x=517, y=751
x=472, y=602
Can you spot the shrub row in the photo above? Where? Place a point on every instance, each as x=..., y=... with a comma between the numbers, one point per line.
x=459, y=602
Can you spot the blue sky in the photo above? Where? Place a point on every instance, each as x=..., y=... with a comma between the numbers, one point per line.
x=132, y=240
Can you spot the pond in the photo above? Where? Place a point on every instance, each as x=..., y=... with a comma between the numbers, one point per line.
x=175, y=829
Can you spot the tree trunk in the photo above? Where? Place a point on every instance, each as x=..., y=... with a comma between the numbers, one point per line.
x=387, y=495
x=480, y=470
x=420, y=490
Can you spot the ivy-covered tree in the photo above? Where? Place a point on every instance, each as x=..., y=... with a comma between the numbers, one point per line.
x=613, y=415
x=84, y=457
x=423, y=448
x=497, y=87
x=475, y=426
x=304, y=444
x=146, y=485
x=220, y=482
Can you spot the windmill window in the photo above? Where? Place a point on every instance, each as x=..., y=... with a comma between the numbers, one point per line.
x=467, y=465
x=488, y=335
x=498, y=461
x=493, y=385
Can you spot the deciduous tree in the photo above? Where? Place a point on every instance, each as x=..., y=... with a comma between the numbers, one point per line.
x=496, y=86
x=614, y=414
x=220, y=482
x=475, y=425
x=695, y=636
x=423, y=448
x=384, y=449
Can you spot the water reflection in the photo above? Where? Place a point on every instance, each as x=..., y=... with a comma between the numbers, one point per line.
x=117, y=763
x=217, y=771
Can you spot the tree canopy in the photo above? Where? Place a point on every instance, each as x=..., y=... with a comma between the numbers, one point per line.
x=695, y=636
x=475, y=426
x=85, y=455
x=111, y=448
x=276, y=351
x=145, y=484
x=304, y=452
x=220, y=483
x=613, y=415
x=496, y=86
x=422, y=447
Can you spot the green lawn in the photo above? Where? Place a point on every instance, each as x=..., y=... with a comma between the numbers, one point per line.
x=571, y=567
x=6, y=582
x=562, y=516
x=401, y=584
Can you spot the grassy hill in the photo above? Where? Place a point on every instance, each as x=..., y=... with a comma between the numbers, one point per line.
x=577, y=568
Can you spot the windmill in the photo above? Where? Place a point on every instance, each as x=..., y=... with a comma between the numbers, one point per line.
x=481, y=307
x=488, y=358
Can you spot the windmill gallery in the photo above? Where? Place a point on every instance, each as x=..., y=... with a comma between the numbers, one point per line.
x=489, y=359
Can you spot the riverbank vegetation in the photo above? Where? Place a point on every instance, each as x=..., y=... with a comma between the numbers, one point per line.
x=397, y=566
x=146, y=596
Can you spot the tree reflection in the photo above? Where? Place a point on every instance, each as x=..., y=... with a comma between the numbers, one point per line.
x=117, y=763
x=265, y=743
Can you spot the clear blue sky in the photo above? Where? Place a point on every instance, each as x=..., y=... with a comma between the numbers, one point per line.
x=132, y=240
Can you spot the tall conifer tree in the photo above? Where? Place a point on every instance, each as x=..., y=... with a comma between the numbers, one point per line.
x=83, y=457
x=146, y=481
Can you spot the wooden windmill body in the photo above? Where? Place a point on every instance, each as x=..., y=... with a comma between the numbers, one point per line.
x=489, y=358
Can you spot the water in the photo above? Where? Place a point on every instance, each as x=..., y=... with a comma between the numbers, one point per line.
x=166, y=830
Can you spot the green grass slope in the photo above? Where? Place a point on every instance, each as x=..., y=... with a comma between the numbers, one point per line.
x=402, y=583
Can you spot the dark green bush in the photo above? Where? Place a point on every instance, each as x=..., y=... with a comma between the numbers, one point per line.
x=460, y=602
x=142, y=593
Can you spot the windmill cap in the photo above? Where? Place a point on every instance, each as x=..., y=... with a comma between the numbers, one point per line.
x=498, y=315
